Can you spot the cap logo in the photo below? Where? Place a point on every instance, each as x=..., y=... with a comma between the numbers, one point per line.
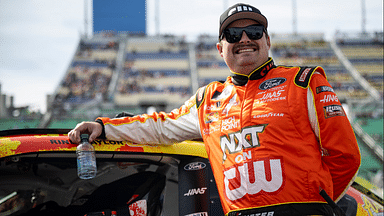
x=239, y=9
x=231, y=11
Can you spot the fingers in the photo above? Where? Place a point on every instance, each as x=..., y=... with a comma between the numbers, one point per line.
x=94, y=130
x=74, y=134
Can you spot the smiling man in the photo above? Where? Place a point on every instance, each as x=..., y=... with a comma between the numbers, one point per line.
x=245, y=50
x=273, y=142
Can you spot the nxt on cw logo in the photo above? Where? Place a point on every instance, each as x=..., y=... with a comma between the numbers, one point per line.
x=237, y=179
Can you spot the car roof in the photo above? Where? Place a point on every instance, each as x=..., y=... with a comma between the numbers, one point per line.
x=24, y=141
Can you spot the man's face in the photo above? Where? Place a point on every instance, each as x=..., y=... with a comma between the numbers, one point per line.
x=246, y=55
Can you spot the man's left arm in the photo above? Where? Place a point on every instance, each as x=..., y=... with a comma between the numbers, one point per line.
x=337, y=140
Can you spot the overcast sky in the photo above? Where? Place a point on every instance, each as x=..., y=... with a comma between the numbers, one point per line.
x=38, y=38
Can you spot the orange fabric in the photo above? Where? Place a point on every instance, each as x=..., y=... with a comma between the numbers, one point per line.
x=262, y=148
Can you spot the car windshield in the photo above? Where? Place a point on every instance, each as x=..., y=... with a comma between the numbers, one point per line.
x=49, y=183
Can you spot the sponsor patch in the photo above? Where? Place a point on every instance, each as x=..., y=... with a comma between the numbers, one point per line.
x=268, y=84
x=212, y=128
x=333, y=110
x=243, y=139
x=329, y=98
x=321, y=89
x=210, y=107
x=303, y=76
x=230, y=123
x=271, y=213
x=256, y=176
x=272, y=96
x=211, y=117
x=267, y=115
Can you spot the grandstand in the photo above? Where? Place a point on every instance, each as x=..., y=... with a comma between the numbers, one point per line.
x=210, y=65
x=155, y=71
x=313, y=50
x=111, y=73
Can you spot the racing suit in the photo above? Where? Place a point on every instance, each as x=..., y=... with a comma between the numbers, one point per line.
x=274, y=138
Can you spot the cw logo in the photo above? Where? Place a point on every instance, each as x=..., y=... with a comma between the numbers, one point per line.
x=267, y=175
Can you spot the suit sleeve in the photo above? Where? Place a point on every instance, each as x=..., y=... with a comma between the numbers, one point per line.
x=158, y=128
x=340, y=152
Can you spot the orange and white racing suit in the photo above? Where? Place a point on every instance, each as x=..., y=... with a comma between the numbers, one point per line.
x=274, y=137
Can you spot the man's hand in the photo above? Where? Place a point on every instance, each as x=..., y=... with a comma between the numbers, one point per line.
x=94, y=130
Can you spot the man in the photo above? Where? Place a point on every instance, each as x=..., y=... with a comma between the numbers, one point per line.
x=274, y=136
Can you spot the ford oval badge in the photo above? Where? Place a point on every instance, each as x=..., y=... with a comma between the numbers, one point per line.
x=195, y=166
x=267, y=84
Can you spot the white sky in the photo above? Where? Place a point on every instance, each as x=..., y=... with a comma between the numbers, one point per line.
x=38, y=38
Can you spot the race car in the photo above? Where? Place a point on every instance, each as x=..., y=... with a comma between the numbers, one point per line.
x=38, y=177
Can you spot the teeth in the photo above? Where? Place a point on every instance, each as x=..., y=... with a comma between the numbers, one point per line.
x=245, y=50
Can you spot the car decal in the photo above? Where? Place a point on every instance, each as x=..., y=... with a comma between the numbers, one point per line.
x=20, y=144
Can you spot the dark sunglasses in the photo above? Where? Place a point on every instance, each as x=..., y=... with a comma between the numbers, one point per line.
x=233, y=35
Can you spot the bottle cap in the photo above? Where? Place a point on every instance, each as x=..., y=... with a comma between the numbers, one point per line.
x=84, y=136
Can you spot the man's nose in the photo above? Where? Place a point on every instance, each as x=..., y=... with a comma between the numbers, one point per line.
x=244, y=38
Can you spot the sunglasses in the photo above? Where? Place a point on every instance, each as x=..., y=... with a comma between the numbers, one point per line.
x=233, y=35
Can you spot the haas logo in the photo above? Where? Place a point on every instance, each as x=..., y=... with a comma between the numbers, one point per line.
x=195, y=191
x=267, y=175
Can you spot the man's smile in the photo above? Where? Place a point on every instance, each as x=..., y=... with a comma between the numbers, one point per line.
x=245, y=49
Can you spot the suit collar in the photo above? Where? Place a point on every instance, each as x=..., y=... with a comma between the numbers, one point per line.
x=258, y=73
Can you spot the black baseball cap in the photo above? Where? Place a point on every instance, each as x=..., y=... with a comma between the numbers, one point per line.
x=241, y=11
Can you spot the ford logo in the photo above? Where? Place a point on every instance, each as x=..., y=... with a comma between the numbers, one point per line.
x=267, y=84
x=195, y=166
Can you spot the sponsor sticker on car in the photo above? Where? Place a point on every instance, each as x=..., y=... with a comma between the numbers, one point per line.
x=195, y=166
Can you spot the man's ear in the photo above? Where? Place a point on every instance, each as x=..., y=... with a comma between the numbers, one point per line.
x=219, y=47
x=268, y=42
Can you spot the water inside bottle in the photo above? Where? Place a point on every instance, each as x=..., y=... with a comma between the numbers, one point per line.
x=86, y=165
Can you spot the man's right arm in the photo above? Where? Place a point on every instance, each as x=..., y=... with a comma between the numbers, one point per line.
x=158, y=128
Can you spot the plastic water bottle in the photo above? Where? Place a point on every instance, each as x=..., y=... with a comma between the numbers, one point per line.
x=86, y=158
